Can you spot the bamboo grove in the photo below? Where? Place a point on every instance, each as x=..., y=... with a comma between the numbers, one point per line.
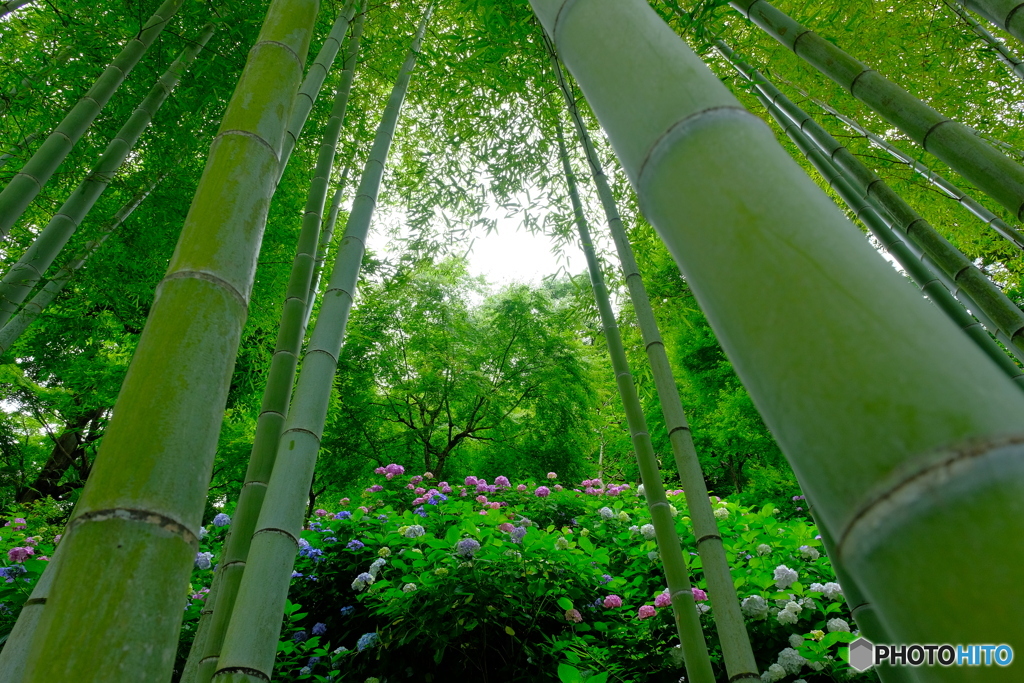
x=203, y=178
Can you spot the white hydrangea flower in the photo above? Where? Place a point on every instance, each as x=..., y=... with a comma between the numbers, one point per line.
x=832, y=590
x=791, y=661
x=648, y=531
x=754, y=607
x=376, y=566
x=809, y=553
x=634, y=529
x=817, y=588
x=784, y=577
x=415, y=531
x=807, y=603
x=653, y=555
x=672, y=509
x=702, y=608
x=816, y=666
x=561, y=543
x=606, y=513
x=774, y=673
x=787, y=617
x=796, y=640
x=764, y=549
x=409, y=588
x=640, y=490
x=721, y=513
x=834, y=625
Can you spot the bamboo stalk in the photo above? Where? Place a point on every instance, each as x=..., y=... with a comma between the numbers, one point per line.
x=1005, y=14
x=10, y=332
x=18, y=282
x=954, y=192
x=314, y=80
x=732, y=633
x=24, y=187
x=954, y=143
x=684, y=608
x=250, y=644
x=814, y=142
x=326, y=236
x=14, y=655
x=871, y=394
x=280, y=378
x=1007, y=57
x=11, y=5
x=133, y=536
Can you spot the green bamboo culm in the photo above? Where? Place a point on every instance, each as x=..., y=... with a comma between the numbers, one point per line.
x=804, y=131
x=26, y=141
x=280, y=378
x=11, y=5
x=133, y=535
x=24, y=186
x=314, y=80
x=10, y=332
x=18, y=282
x=326, y=237
x=900, y=429
x=684, y=608
x=732, y=632
x=992, y=220
x=954, y=143
x=250, y=644
x=1007, y=57
x=1006, y=14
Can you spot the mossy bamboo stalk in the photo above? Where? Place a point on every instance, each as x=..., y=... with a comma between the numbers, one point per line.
x=280, y=378
x=314, y=80
x=954, y=192
x=17, y=282
x=250, y=643
x=1006, y=14
x=691, y=635
x=1007, y=57
x=24, y=187
x=10, y=332
x=191, y=669
x=805, y=132
x=11, y=5
x=863, y=208
x=133, y=536
x=952, y=142
x=7, y=156
x=732, y=632
x=901, y=429
x=326, y=236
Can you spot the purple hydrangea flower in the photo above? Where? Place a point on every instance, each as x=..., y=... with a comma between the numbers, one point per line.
x=221, y=520
x=517, y=534
x=355, y=544
x=319, y=629
x=467, y=547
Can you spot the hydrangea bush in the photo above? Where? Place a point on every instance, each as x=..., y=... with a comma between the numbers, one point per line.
x=418, y=579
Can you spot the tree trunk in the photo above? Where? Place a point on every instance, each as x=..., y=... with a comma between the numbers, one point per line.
x=67, y=449
x=133, y=536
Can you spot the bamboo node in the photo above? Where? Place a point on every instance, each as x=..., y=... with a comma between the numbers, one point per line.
x=242, y=670
x=145, y=516
x=708, y=537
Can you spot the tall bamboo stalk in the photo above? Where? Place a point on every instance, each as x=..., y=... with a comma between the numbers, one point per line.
x=10, y=332
x=1005, y=14
x=250, y=644
x=898, y=426
x=133, y=536
x=964, y=199
x=805, y=132
x=314, y=80
x=732, y=633
x=326, y=236
x=24, y=187
x=1007, y=57
x=684, y=608
x=952, y=142
x=17, y=282
x=25, y=142
x=280, y=378
x=11, y=5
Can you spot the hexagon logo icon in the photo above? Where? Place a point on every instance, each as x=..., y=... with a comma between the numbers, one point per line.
x=862, y=654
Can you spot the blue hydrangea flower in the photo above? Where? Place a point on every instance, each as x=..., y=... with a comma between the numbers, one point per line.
x=437, y=498
x=367, y=640
x=319, y=629
x=382, y=518
x=347, y=610
x=296, y=575
x=344, y=514
x=467, y=547
x=300, y=636
x=420, y=511
x=312, y=661
x=221, y=520
x=517, y=534
x=355, y=544
x=330, y=539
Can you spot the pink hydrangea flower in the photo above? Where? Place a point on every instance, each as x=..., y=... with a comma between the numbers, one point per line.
x=646, y=611
x=494, y=505
x=419, y=501
x=445, y=488
x=364, y=508
x=344, y=501
x=415, y=480
x=471, y=481
x=31, y=540
x=463, y=492
x=502, y=481
x=558, y=487
x=20, y=554
x=389, y=476
x=320, y=512
x=699, y=595
x=483, y=512
x=482, y=487
x=663, y=600
x=506, y=527
x=481, y=499
x=394, y=469
x=521, y=487
x=613, y=601
x=552, y=475
x=420, y=490
x=573, y=615
x=542, y=492
x=380, y=470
